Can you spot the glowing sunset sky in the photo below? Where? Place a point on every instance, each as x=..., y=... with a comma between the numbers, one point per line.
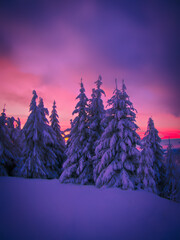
x=49, y=45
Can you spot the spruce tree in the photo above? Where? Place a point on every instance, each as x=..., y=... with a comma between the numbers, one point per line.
x=77, y=168
x=18, y=135
x=152, y=138
x=116, y=150
x=59, y=144
x=32, y=164
x=44, y=111
x=67, y=133
x=11, y=129
x=95, y=117
x=52, y=154
x=18, y=124
x=10, y=125
x=56, y=127
x=15, y=134
x=7, y=149
x=145, y=171
x=171, y=183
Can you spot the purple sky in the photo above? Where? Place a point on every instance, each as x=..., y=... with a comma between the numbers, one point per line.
x=50, y=45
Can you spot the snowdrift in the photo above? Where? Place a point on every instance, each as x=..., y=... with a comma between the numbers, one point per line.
x=35, y=209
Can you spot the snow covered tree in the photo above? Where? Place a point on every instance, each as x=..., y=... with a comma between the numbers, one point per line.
x=52, y=157
x=7, y=149
x=18, y=135
x=152, y=138
x=44, y=111
x=67, y=133
x=95, y=117
x=18, y=124
x=11, y=129
x=56, y=127
x=77, y=168
x=171, y=183
x=116, y=150
x=32, y=164
x=145, y=171
x=59, y=144
x=15, y=133
x=10, y=122
x=17, y=128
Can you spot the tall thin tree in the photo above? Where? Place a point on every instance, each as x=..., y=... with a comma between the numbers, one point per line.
x=77, y=168
x=171, y=182
x=8, y=156
x=152, y=138
x=32, y=163
x=95, y=117
x=51, y=158
x=54, y=119
x=59, y=145
x=145, y=171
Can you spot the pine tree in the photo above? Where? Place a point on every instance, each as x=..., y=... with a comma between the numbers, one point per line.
x=32, y=163
x=44, y=111
x=7, y=149
x=10, y=125
x=59, y=144
x=152, y=138
x=171, y=183
x=96, y=115
x=145, y=170
x=116, y=149
x=18, y=135
x=77, y=168
x=18, y=122
x=15, y=134
x=51, y=158
x=56, y=127
x=67, y=133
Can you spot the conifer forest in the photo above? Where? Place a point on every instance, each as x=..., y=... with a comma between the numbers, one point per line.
x=102, y=146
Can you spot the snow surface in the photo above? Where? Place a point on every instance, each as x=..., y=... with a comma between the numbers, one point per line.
x=45, y=209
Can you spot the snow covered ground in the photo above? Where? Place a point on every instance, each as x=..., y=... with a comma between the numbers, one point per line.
x=32, y=209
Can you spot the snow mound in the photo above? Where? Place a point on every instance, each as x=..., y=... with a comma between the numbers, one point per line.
x=45, y=209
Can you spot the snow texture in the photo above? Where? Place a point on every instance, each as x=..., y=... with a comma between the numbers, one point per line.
x=44, y=209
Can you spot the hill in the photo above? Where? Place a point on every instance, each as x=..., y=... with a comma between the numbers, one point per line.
x=45, y=209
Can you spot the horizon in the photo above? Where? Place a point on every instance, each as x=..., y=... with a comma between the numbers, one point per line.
x=163, y=134
x=50, y=45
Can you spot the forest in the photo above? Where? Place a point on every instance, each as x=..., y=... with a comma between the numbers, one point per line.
x=103, y=147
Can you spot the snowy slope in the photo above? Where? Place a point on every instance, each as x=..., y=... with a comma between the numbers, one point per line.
x=45, y=209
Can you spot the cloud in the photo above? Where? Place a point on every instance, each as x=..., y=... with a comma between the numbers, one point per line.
x=16, y=92
x=51, y=44
x=15, y=84
x=5, y=47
